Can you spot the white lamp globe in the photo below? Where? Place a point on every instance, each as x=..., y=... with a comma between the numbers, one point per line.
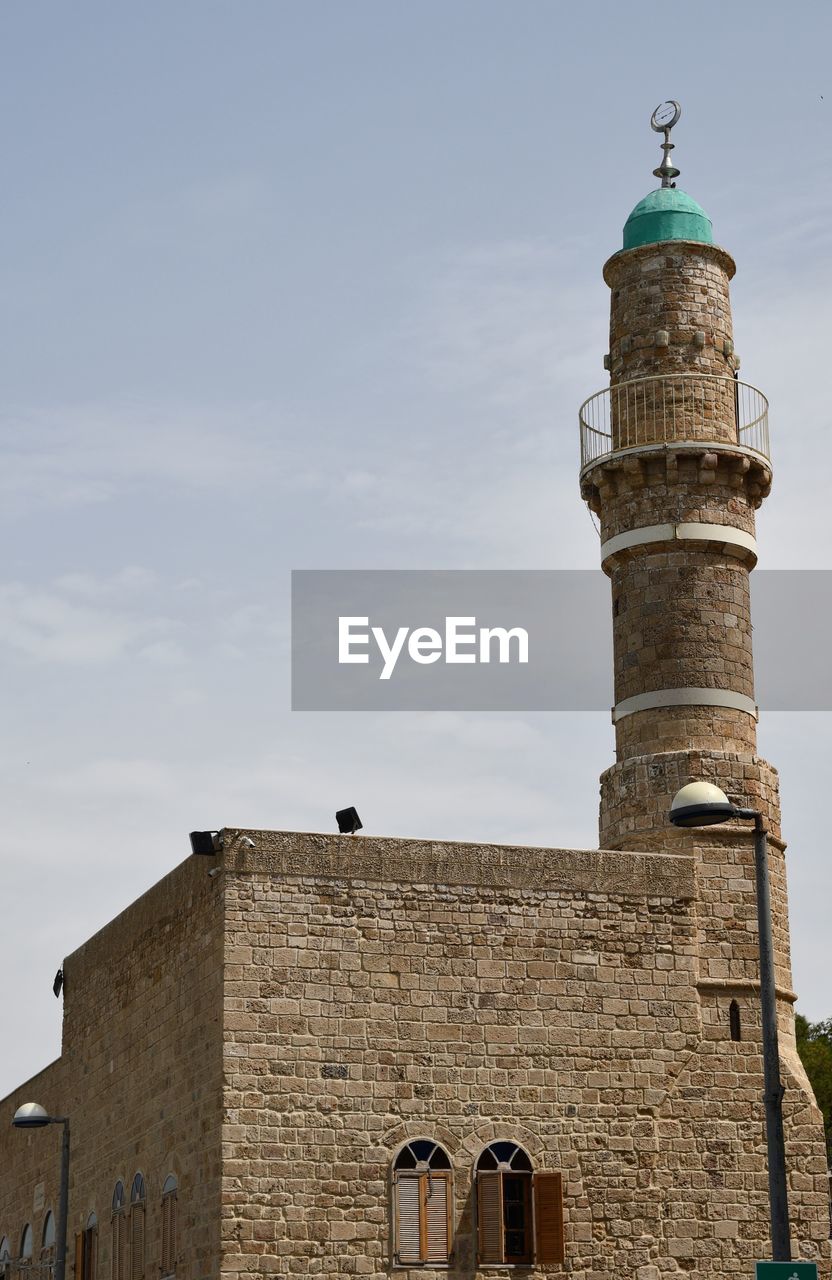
x=30, y=1115
x=700, y=804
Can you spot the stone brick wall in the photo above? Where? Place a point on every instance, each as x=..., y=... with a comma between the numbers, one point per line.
x=680, y=618
x=29, y=1161
x=139, y=1077
x=379, y=991
x=684, y=492
x=670, y=310
x=273, y=1035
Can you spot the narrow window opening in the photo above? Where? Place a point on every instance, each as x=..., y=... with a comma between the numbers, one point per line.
x=47, y=1244
x=86, y=1250
x=26, y=1244
x=734, y=1020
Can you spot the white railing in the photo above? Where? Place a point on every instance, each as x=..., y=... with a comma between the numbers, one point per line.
x=679, y=407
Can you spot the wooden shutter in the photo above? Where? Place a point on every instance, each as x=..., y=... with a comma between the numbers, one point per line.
x=169, y=1234
x=136, y=1241
x=165, y=1267
x=548, y=1217
x=436, y=1199
x=118, y=1246
x=122, y=1245
x=79, y=1256
x=490, y=1215
x=408, y=1218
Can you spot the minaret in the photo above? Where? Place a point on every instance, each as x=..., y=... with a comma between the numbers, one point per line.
x=675, y=463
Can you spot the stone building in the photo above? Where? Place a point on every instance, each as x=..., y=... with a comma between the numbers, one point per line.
x=335, y=1056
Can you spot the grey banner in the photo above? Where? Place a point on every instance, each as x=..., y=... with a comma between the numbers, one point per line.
x=439, y=640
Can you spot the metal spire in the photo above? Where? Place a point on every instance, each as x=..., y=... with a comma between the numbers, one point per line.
x=663, y=120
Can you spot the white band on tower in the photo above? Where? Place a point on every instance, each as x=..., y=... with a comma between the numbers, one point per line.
x=734, y=541
x=689, y=697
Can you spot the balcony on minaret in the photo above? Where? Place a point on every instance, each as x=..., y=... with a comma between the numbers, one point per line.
x=710, y=419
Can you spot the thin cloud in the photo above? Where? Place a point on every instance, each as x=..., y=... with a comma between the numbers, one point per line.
x=50, y=626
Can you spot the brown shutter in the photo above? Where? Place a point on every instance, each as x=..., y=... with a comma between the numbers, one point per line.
x=137, y=1241
x=169, y=1234
x=408, y=1233
x=79, y=1256
x=165, y=1230
x=548, y=1217
x=490, y=1215
x=120, y=1245
x=165, y=1268
x=172, y=1232
x=437, y=1201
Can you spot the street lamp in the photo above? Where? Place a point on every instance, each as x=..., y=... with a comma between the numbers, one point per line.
x=701, y=804
x=31, y=1115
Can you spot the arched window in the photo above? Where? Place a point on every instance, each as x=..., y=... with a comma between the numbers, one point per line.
x=422, y=1193
x=26, y=1244
x=118, y=1224
x=5, y=1257
x=508, y=1231
x=734, y=1021
x=47, y=1243
x=169, y=1190
x=86, y=1250
x=137, y=1208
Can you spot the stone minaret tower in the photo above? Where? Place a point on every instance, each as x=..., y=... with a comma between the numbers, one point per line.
x=675, y=465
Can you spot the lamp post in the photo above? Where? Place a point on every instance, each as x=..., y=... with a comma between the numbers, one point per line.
x=33, y=1116
x=701, y=804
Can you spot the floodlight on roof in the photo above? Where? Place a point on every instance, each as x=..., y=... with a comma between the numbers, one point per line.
x=204, y=843
x=348, y=821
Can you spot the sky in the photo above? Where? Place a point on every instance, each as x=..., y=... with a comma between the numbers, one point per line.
x=318, y=285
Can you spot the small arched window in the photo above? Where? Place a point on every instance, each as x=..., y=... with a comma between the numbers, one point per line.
x=138, y=1197
x=118, y=1223
x=86, y=1250
x=508, y=1230
x=26, y=1244
x=47, y=1243
x=734, y=1022
x=422, y=1196
x=169, y=1190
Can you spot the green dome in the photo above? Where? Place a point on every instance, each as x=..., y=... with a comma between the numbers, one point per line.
x=667, y=214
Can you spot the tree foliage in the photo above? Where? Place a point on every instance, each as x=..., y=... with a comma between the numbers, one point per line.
x=814, y=1044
